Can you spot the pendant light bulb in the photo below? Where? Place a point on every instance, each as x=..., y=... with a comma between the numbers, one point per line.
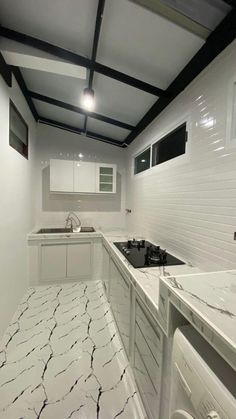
x=88, y=99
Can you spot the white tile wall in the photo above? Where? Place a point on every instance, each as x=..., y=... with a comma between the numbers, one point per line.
x=101, y=211
x=189, y=205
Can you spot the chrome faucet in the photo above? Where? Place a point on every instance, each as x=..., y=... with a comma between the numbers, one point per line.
x=73, y=218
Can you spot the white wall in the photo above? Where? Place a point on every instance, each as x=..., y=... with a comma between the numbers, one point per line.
x=17, y=208
x=100, y=211
x=189, y=205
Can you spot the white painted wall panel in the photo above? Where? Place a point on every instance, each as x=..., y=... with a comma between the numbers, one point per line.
x=189, y=205
x=17, y=206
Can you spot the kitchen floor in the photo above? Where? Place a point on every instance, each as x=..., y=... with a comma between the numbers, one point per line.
x=62, y=358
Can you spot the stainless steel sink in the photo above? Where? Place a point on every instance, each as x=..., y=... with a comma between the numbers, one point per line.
x=65, y=230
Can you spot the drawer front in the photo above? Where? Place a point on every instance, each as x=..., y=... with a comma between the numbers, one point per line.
x=153, y=337
x=153, y=366
x=147, y=392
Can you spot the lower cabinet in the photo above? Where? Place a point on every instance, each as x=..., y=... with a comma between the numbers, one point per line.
x=148, y=353
x=105, y=269
x=65, y=261
x=53, y=261
x=119, y=296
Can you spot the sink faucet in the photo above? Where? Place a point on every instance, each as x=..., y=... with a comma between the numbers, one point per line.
x=73, y=218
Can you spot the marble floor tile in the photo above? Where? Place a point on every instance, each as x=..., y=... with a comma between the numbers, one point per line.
x=61, y=357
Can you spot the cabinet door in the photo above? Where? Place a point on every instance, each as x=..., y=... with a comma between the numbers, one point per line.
x=79, y=260
x=148, y=354
x=105, y=269
x=106, y=178
x=53, y=262
x=84, y=177
x=120, y=303
x=61, y=175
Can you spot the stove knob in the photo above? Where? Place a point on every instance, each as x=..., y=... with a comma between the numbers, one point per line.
x=124, y=248
x=127, y=252
x=213, y=415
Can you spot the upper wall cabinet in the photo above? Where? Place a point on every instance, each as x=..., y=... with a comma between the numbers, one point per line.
x=70, y=176
x=61, y=175
x=106, y=178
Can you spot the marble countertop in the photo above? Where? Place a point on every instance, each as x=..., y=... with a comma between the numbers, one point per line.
x=146, y=280
x=210, y=300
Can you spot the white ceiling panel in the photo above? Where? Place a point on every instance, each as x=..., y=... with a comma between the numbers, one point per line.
x=67, y=23
x=58, y=114
x=66, y=89
x=112, y=131
x=120, y=101
x=143, y=44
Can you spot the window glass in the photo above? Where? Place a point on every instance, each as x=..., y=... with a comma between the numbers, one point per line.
x=170, y=146
x=18, y=131
x=142, y=161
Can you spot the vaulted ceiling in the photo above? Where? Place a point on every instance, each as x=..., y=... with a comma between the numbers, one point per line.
x=137, y=55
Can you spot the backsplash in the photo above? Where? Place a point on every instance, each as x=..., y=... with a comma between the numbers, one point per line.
x=189, y=204
x=101, y=211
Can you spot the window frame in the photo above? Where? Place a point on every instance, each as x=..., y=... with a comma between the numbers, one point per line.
x=11, y=107
x=160, y=140
x=182, y=159
x=137, y=155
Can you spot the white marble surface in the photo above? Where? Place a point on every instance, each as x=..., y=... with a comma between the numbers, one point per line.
x=209, y=299
x=61, y=357
x=146, y=280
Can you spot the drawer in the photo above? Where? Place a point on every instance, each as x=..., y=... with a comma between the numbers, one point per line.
x=153, y=365
x=153, y=334
x=150, y=398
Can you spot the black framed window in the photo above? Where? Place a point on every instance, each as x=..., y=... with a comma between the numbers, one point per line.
x=142, y=161
x=170, y=146
x=18, y=131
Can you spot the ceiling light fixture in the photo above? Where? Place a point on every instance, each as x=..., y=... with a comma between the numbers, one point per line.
x=88, y=99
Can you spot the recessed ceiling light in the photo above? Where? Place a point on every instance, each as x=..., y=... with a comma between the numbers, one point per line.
x=88, y=99
x=80, y=155
x=143, y=161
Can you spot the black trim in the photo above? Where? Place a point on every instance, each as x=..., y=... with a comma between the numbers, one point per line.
x=5, y=71
x=100, y=9
x=219, y=39
x=19, y=78
x=80, y=131
x=80, y=60
x=77, y=109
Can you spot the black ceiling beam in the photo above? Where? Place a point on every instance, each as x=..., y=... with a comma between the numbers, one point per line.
x=79, y=110
x=79, y=131
x=217, y=41
x=231, y=3
x=80, y=60
x=20, y=80
x=100, y=9
x=5, y=71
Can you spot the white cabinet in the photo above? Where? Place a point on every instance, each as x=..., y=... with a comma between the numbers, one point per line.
x=61, y=175
x=79, y=260
x=148, y=355
x=106, y=178
x=66, y=261
x=53, y=261
x=105, y=269
x=67, y=176
x=120, y=300
x=84, y=177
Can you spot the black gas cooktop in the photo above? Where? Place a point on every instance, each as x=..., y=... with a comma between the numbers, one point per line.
x=142, y=254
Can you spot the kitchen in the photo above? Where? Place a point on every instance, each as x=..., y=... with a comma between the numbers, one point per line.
x=118, y=259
